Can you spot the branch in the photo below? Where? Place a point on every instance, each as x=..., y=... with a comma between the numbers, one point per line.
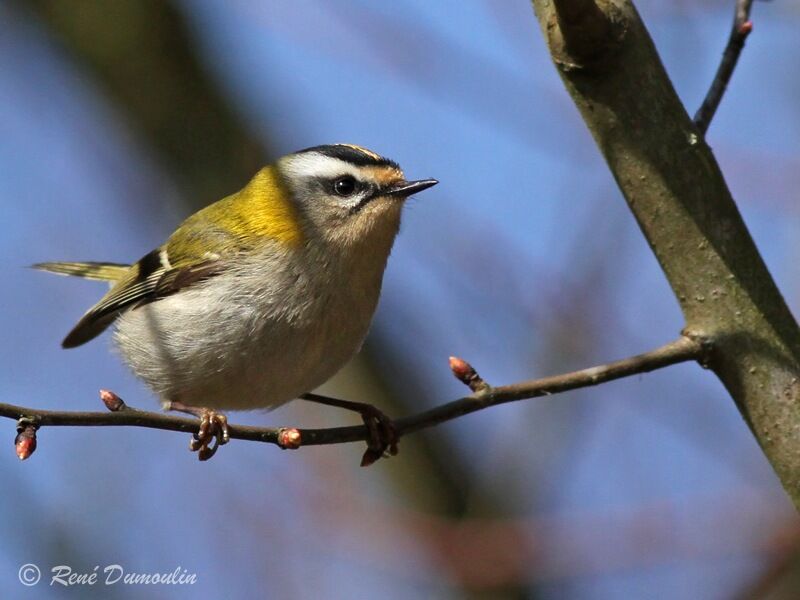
x=675, y=190
x=583, y=32
x=742, y=26
x=681, y=350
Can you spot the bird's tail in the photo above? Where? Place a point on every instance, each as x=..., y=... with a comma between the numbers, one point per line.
x=88, y=270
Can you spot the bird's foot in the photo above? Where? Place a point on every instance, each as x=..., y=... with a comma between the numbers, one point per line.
x=382, y=436
x=213, y=428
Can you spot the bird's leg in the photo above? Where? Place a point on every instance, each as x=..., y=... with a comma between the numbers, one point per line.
x=382, y=440
x=213, y=426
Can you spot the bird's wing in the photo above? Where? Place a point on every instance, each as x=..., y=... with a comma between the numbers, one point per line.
x=200, y=248
x=151, y=278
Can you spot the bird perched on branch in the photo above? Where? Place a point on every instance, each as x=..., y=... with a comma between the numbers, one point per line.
x=261, y=296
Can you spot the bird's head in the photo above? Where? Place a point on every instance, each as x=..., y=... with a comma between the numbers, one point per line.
x=345, y=194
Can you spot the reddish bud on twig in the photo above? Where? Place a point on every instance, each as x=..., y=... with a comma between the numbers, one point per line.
x=461, y=369
x=467, y=375
x=289, y=438
x=745, y=28
x=25, y=445
x=25, y=442
x=113, y=402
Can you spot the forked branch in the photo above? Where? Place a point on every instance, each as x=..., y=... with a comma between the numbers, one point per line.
x=675, y=189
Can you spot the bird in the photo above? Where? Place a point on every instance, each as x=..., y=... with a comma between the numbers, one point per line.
x=261, y=296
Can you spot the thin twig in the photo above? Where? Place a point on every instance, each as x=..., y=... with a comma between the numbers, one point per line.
x=681, y=350
x=742, y=26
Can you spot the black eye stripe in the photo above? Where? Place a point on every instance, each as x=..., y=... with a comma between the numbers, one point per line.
x=358, y=199
x=328, y=184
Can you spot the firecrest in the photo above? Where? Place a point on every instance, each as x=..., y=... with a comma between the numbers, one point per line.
x=261, y=296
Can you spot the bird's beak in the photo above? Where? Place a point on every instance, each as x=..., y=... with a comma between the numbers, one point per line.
x=406, y=188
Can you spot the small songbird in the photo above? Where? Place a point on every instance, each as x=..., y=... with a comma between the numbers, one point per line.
x=261, y=296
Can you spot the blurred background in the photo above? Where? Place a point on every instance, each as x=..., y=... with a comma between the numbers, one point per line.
x=119, y=119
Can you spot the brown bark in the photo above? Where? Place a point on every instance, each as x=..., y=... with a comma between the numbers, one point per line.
x=677, y=193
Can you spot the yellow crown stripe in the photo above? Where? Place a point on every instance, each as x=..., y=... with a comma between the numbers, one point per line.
x=363, y=150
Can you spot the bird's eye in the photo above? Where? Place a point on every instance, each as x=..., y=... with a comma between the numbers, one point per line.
x=344, y=186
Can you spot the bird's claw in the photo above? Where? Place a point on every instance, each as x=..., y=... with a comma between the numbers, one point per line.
x=213, y=428
x=382, y=436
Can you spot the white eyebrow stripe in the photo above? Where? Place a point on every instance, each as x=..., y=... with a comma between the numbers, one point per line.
x=313, y=164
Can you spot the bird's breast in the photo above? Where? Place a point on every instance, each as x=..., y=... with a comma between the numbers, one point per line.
x=263, y=332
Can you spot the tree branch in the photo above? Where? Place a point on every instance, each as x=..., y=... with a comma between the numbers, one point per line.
x=120, y=415
x=675, y=189
x=582, y=33
x=742, y=26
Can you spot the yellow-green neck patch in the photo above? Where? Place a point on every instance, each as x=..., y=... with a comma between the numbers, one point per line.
x=264, y=208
